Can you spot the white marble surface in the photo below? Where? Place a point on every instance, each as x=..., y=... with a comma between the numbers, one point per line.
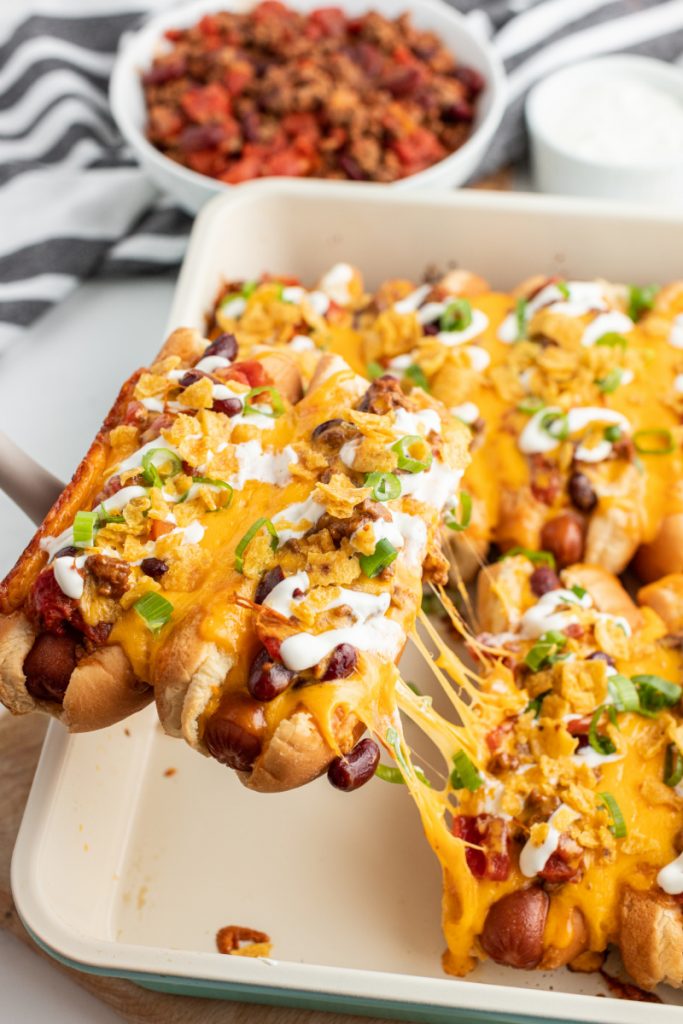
x=55, y=385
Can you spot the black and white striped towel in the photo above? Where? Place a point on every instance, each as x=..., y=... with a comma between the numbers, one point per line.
x=72, y=201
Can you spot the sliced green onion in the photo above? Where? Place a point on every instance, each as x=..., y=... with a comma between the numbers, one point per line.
x=84, y=529
x=385, y=486
x=104, y=517
x=536, y=703
x=150, y=466
x=375, y=370
x=464, y=774
x=656, y=693
x=530, y=405
x=618, y=826
x=543, y=653
x=249, y=536
x=465, y=514
x=154, y=610
x=457, y=316
x=383, y=555
x=431, y=605
x=555, y=425
x=389, y=773
x=673, y=765
x=612, y=433
x=563, y=288
x=654, y=442
x=610, y=382
x=248, y=289
x=535, y=557
x=521, y=317
x=405, y=459
x=624, y=693
x=612, y=340
x=277, y=405
x=640, y=300
x=602, y=744
x=579, y=591
x=415, y=688
x=416, y=374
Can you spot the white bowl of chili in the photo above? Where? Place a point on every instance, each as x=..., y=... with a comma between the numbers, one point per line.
x=192, y=189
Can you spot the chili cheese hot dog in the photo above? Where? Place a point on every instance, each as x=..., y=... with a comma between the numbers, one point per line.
x=278, y=672
x=576, y=814
x=80, y=608
x=570, y=389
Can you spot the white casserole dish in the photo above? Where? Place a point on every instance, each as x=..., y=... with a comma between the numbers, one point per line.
x=192, y=190
x=122, y=870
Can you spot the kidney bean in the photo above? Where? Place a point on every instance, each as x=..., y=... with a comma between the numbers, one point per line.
x=68, y=552
x=514, y=926
x=352, y=169
x=457, y=112
x=234, y=733
x=543, y=580
x=191, y=377
x=563, y=536
x=342, y=663
x=581, y=492
x=201, y=136
x=334, y=433
x=154, y=567
x=602, y=656
x=48, y=666
x=268, y=582
x=228, y=406
x=267, y=678
x=168, y=71
x=356, y=768
x=473, y=80
x=224, y=345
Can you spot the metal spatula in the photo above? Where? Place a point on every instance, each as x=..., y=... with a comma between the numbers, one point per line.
x=29, y=486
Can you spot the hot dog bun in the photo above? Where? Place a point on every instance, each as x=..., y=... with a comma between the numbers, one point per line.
x=651, y=938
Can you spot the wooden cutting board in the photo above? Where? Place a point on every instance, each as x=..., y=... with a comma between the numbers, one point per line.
x=20, y=743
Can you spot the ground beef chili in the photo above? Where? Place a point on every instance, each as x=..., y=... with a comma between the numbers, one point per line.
x=277, y=92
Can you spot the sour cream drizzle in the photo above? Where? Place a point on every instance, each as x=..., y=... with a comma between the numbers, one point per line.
x=536, y=439
x=534, y=858
x=670, y=878
x=68, y=577
x=613, y=322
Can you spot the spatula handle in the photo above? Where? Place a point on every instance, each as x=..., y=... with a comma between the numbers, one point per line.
x=29, y=486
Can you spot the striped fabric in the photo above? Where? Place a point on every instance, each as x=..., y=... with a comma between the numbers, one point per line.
x=73, y=204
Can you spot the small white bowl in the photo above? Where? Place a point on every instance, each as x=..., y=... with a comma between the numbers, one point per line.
x=192, y=190
x=567, y=157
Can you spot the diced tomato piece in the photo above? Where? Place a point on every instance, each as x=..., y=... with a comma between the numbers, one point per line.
x=579, y=726
x=238, y=77
x=206, y=103
x=242, y=170
x=490, y=833
x=418, y=150
x=209, y=25
x=249, y=372
x=158, y=528
x=403, y=55
x=165, y=122
x=565, y=863
x=495, y=738
x=269, y=9
x=330, y=21
x=135, y=413
x=272, y=645
x=288, y=164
